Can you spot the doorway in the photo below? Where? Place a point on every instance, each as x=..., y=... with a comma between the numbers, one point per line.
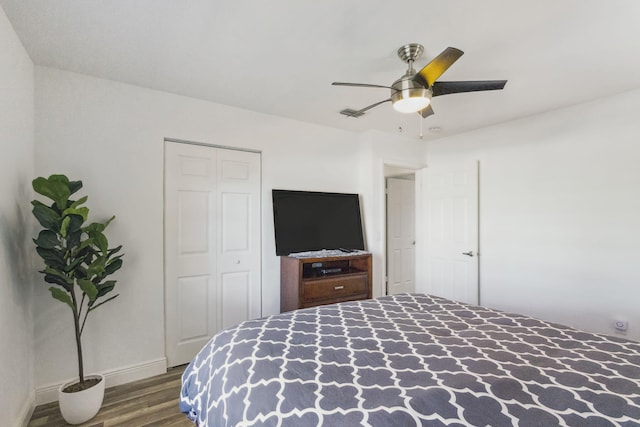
x=400, y=209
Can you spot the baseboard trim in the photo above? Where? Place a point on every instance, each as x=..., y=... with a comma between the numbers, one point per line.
x=127, y=374
x=27, y=409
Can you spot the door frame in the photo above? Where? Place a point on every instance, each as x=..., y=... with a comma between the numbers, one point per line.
x=456, y=166
x=416, y=167
x=205, y=144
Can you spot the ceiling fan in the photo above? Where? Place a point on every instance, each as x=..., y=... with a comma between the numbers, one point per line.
x=412, y=92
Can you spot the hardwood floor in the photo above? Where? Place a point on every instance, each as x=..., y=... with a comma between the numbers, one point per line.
x=149, y=402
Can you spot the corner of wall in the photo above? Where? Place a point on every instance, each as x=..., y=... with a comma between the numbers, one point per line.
x=26, y=412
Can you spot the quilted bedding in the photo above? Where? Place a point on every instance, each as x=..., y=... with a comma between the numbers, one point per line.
x=411, y=360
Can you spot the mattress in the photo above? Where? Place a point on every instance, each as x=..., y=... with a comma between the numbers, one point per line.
x=411, y=360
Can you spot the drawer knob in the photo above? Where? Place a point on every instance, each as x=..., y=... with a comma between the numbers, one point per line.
x=337, y=288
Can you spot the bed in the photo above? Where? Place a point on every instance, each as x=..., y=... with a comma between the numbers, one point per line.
x=411, y=360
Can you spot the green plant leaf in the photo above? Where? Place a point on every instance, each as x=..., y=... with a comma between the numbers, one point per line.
x=105, y=288
x=56, y=188
x=81, y=212
x=73, y=264
x=63, y=226
x=96, y=268
x=81, y=249
x=101, y=242
x=80, y=272
x=47, y=239
x=107, y=222
x=94, y=227
x=88, y=288
x=74, y=186
x=78, y=202
x=58, y=280
x=63, y=296
x=114, y=250
x=47, y=217
x=76, y=223
x=74, y=237
x=113, y=266
x=52, y=257
x=55, y=272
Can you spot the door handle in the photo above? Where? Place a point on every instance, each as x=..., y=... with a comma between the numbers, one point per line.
x=470, y=253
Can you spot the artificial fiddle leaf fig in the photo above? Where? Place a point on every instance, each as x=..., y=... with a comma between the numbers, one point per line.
x=77, y=256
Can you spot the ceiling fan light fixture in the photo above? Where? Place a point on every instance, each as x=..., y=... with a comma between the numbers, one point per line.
x=412, y=92
x=411, y=100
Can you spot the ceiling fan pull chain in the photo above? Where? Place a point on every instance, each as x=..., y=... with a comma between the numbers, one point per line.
x=421, y=122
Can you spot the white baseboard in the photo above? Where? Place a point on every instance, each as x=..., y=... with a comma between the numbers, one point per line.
x=127, y=374
x=26, y=411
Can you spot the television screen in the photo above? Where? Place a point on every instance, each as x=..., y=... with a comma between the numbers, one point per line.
x=312, y=221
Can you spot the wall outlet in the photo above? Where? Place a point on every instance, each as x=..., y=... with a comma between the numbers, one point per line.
x=621, y=325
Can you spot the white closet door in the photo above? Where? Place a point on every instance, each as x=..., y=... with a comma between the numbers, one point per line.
x=206, y=291
x=239, y=241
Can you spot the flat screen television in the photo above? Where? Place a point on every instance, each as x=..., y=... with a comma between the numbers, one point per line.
x=313, y=221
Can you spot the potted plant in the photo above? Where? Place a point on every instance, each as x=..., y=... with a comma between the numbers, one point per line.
x=78, y=262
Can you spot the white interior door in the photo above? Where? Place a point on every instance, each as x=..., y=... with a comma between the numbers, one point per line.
x=238, y=246
x=451, y=246
x=212, y=212
x=400, y=236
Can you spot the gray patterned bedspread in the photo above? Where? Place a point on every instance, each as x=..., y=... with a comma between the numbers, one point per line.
x=411, y=360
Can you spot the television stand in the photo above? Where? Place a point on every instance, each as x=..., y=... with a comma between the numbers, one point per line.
x=312, y=281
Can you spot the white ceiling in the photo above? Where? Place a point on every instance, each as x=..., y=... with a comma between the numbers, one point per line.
x=280, y=56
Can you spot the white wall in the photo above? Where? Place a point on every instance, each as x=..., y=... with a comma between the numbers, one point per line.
x=16, y=248
x=559, y=212
x=110, y=135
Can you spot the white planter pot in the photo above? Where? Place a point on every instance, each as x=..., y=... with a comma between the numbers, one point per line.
x=81, y=406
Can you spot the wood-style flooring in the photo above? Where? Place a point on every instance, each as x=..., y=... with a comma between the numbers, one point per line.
x=149, y=402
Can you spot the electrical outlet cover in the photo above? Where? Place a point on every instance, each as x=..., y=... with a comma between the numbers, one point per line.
x=621, y=325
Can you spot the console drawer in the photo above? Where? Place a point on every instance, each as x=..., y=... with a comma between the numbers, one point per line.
x=334, y=287
x=312, y=281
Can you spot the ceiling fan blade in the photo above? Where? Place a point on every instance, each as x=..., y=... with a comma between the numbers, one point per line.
x=426, y=111
x=446, y=88
x=360, y=85
x=361, y=112
x=434, y=69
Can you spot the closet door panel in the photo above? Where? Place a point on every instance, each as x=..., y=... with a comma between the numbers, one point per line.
x=212, y=244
